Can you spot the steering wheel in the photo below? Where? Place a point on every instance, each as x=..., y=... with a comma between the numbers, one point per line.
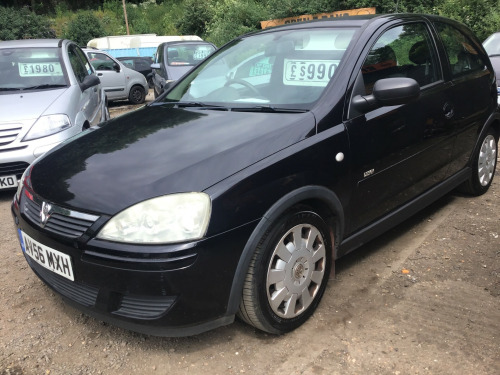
x=243, y=83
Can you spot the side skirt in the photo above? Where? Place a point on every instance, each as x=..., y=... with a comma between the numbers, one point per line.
x=402, y=213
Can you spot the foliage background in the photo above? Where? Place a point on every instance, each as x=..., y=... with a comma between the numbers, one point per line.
x=217, y=21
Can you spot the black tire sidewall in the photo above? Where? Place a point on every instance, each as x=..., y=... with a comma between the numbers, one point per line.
x=131, y=95
x=273, y=322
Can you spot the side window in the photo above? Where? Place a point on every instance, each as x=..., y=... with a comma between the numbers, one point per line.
x=100, y=61
x=159, y=54
x=79, y=63
x=142, y=65
x=403, y=51
x=128, y=63
x=463, y=56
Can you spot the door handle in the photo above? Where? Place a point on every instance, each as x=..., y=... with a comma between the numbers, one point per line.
x=449, y=110
x=99, y=74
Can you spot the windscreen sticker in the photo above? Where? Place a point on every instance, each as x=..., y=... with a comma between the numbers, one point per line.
x=309, y=72
x=201, y=53
x=40, y=69
x=260, y=69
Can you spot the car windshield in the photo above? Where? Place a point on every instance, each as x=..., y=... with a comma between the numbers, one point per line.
x=492, y=44
x=188, y=54
x=280, y=69
x=31, y=69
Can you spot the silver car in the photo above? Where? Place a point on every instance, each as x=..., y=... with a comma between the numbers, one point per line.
x=48, y=93
x=118, y=81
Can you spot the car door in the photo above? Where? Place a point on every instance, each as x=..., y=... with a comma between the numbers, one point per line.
x=399, y=151
x=110, y=73
x=90, y=100
x=159, y=72
x=469, y=73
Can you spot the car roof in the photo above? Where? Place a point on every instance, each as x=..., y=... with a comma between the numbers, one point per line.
x=96, y=51
x=186, y=42
x=133, y=57
x=351, y=21
x=33, y=43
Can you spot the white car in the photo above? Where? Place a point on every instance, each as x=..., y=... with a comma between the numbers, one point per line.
x=118, y=81
x=48, y=93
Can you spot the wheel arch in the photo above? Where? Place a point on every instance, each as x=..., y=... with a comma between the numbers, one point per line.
x=320, y=199
x=492, y=122
x=495, y=124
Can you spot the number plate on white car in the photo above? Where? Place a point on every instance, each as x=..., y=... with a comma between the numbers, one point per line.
x=47, y=257
x=8, y=182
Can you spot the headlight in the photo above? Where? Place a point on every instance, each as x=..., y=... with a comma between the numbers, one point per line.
x=21, y=182
x=48, y=125
x=171, y=218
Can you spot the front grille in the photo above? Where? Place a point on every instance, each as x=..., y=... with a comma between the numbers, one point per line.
x=83, y=294
x=144, y=307
x=66, y=223
x=9, y=133
x=16, y=168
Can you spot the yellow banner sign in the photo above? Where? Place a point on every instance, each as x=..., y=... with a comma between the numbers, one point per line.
x=319, y=16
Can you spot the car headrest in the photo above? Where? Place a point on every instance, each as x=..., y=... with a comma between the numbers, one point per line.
x=342, y=40
x=419, y=53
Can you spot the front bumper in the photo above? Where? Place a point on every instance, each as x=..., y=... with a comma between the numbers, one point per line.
x=170, y=290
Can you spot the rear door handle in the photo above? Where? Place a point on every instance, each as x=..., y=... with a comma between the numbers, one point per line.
x=99, y=74
x=449, y=110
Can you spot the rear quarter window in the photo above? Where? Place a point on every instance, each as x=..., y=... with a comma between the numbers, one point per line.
x=463, y=55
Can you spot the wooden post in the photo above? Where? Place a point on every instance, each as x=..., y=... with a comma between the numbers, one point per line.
x=125, y=13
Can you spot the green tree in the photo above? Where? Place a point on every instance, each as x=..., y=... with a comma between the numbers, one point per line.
x=231, y=18
x=84, y=27
x=23, y=24
x=194, y=21
x=482, y=16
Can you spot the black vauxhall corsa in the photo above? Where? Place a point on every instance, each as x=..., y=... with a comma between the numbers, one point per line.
x=235, y=191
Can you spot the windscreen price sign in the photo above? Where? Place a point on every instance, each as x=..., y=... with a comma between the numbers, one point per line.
x=309, y=72
x=40, y=69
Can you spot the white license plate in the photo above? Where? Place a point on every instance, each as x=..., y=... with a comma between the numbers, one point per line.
x=8, y=182
x=47, y=257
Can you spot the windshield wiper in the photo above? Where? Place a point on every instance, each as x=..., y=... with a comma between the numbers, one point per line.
x=44, y=86
x=10, y=89
x=199, y=105
x=268, y=109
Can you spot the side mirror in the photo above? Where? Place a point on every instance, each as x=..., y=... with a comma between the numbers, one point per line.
x=387, y=92
x=116, y=67
x=167, y=86
x=89, y=81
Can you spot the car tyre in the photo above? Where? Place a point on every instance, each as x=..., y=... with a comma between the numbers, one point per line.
x=137, y=95
x=288, y=273
x=483, y=165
